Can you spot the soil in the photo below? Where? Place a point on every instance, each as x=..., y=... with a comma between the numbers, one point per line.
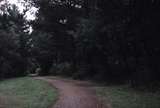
x=74, y=94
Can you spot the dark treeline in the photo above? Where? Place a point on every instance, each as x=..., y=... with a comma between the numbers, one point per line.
x=107, y=40
x=13, y=42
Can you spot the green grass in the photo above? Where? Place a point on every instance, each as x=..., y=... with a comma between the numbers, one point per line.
x=26, y=93
x=125, y=97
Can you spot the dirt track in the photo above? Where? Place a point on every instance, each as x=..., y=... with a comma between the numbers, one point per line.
x=74, y=94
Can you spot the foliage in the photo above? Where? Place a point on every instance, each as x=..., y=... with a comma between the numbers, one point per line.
x=13, y=43
x=106, y=40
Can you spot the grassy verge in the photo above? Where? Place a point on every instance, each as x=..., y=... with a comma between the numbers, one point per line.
x=125, y=97
x=26, y=93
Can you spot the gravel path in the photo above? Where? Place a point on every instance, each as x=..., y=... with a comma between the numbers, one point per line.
x=74, y=94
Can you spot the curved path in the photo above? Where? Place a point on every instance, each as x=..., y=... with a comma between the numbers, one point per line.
x=74, y=94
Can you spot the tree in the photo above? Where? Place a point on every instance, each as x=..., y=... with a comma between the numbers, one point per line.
x=13, y=44
x=104, y=39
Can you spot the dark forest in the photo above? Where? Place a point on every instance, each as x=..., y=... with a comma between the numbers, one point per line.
x=113, y=41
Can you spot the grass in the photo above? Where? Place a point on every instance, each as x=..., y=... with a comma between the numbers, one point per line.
x=125, y=97
x=26, y=93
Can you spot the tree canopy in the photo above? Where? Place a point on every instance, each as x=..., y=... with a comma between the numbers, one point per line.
x=108, y=40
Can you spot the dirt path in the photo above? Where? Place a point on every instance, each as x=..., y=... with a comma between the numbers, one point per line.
x=74, y=94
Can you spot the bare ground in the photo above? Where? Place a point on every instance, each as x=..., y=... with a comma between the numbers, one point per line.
x=74, y=94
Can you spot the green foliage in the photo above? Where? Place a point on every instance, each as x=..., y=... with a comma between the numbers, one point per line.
x=106, y=40
x=13, y=43
x=64, y=69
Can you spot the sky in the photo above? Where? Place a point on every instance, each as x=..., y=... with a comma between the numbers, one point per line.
x=30, y=15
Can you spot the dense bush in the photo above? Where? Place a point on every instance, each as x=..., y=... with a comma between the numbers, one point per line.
x=64, y=69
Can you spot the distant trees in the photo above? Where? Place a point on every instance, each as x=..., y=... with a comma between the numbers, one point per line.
x=57, y=20
x=101, y=39
x=108, y=40
x=13, y=42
